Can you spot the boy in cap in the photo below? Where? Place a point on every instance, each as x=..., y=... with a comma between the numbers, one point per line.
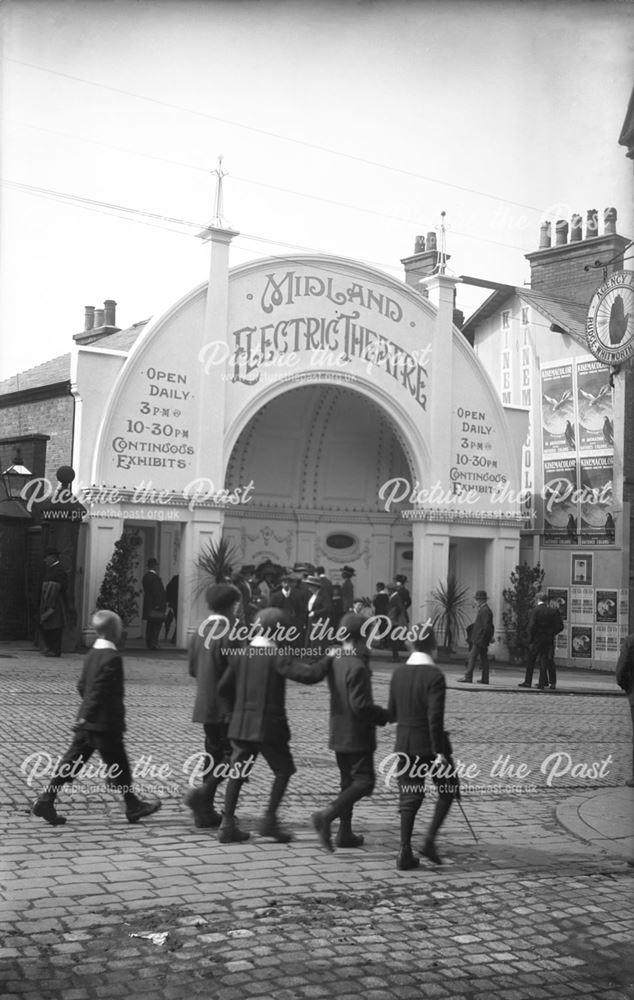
x=255, y=686
x=353, y=720
x=100, y=726
x=207, y=663
x=481, y=636
x=417, y=706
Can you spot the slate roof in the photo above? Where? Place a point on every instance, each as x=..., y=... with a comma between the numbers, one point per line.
x=58, y=369
x=564, y=314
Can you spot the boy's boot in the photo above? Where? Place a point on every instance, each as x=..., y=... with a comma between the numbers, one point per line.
x=406, y=859
x=269, y=825
x=136, y=808
x=345, y=836
x=230, y=832
x=44, y=806
x=428, y=850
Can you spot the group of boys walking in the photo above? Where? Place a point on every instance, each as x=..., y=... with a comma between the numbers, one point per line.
x=240, y=702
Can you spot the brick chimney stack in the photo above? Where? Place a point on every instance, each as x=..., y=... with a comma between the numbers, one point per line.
x=424, y=261
x=559, y=269
x=98, y=323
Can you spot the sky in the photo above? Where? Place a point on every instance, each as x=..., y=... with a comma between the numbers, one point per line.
x=346, y=128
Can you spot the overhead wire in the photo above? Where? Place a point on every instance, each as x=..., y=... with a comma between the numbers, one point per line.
x=273, y=135
x=271, y=187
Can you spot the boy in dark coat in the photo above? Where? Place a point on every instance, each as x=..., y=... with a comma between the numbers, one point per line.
x=353, y=720
x=207, y=663
x=255, y=685
x=417, y=706
x=100, y=725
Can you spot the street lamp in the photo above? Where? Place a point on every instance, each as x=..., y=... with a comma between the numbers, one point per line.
x=15, y=477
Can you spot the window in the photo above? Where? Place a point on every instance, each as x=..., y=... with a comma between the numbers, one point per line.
x=340, y=541
x=506, y=317
x=524, y=315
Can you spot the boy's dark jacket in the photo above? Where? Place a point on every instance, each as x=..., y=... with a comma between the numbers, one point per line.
x=353, y=714
x=254, y=685
x=101, y=689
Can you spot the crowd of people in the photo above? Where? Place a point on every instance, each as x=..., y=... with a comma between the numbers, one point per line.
x=240, y=702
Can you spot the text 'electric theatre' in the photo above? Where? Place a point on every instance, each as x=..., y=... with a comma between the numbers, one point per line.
x=309, y=409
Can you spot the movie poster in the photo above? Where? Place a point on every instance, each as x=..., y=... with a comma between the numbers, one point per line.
x=561, y=509
x=594, y=407
x=558, y=409
x=606, y=608
x=595, y=488
x=581, y=645
x=558, y=597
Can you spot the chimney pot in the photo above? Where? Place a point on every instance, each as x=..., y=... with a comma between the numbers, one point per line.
x=109, y=308
x=609, y=221
x=89, y=321
x=561, y=232
x=575, y=228
x=419, y=245
x=544, y=236
x=98, y=319
x=431, y=241
x=592, y=223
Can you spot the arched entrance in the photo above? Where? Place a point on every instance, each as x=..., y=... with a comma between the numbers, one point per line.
x=318, y=455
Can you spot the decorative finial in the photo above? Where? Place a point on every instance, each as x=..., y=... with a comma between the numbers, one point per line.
x=218, y=220
x=442, y=250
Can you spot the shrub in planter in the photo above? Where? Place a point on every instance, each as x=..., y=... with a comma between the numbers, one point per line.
x=118, y=592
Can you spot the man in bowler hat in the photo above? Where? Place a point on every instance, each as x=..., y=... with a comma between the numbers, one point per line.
x=481, y=636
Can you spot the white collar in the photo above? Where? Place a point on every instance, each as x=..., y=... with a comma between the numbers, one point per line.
x=103, y=644
x=421, y=659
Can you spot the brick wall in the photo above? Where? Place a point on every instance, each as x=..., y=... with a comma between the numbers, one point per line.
x=53, y=416
x=559, y=270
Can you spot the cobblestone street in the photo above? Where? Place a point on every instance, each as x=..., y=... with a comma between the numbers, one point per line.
x=100, y=908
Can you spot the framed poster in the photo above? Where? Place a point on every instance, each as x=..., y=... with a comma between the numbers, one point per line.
x=606, y=606
x=581, y=569
x=581, y=645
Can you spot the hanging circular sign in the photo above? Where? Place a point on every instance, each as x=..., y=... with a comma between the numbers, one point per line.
x=610, y=322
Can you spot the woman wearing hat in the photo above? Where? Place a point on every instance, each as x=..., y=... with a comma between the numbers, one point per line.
x=481, y=636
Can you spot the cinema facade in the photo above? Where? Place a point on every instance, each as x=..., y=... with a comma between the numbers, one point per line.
x=313, y=409
x=308, y=409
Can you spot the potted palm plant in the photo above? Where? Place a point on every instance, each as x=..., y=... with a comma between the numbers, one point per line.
x=216, y=562
x=449, y=613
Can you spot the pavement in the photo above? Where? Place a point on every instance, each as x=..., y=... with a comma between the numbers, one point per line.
x=537, y=908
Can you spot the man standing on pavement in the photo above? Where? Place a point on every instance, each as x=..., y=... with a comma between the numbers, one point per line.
x=417, y=706
x=255, y=688
x=154, y=604
x=481, y=636
x=544, y=623
x=353, y=721
x=53, y=603
x=625, y=680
